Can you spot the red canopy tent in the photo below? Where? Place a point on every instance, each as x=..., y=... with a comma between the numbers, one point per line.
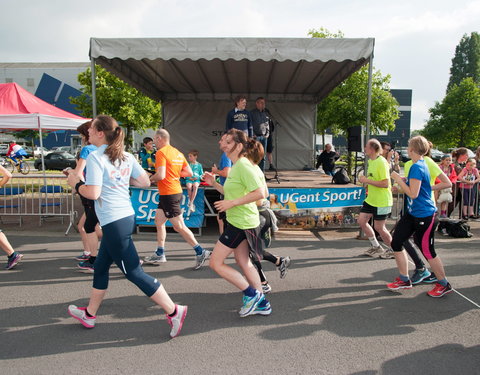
x=20, y=110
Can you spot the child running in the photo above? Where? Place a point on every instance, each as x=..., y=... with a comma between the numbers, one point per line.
x=193, y=182
x=419, y=220
x=110, y=172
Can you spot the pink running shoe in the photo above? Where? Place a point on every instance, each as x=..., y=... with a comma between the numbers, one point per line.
x=80, y=314
x=176, y=322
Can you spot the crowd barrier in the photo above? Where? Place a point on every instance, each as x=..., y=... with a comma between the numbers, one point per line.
x=47, y=197
x=454, y=208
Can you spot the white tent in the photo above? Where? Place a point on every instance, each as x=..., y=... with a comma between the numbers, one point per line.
x=196, y=80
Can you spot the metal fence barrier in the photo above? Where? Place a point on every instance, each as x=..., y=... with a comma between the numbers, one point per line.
x=47, y=197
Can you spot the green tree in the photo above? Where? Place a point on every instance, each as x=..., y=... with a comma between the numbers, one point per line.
x=133, y=110
x=346, y=105
x=466, y=62
x=455, y=122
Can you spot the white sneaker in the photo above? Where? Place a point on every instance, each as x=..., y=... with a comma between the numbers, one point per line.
x=200, y=259
x=80, y=313
x=155, y=259
x=176, y=322
x=388, y=254
x=374, y=251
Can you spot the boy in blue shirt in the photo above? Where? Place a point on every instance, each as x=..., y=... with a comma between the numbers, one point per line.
x=193, y=182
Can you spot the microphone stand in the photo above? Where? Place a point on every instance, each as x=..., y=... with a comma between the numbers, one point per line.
x=276, y=177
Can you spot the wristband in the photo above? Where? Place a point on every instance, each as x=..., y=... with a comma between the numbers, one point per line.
x=77, y=186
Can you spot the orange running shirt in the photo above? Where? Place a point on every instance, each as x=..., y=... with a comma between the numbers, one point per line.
x=173, y=161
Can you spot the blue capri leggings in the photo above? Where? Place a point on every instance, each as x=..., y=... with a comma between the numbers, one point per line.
x=117, y=246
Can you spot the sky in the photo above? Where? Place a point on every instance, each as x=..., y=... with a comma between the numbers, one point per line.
x=414, y=40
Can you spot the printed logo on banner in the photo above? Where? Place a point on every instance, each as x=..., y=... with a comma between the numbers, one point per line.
x=316, y=208
x=145, y=203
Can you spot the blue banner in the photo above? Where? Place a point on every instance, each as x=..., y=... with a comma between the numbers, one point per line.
x=145, y=202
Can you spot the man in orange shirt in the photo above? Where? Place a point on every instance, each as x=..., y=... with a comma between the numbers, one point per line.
x=170, y=165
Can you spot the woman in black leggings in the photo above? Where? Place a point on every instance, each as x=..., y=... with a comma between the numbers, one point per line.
x=110, y=172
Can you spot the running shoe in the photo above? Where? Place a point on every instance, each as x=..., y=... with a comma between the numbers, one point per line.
x=85, y=266
x=283, y=267
x=266, y=288
x=399, y=284
x=267, y=238
x=176, y=321
x=80, y=313
x=387, y=254
x=444, y=232
x=155, y=259
x=200, y=259
x=82, y=257
x=266, y=309
x=374, y=251
x=250, y=304
x=439, y=290
x=13, y=260
x=430, y=279
x=419, y=275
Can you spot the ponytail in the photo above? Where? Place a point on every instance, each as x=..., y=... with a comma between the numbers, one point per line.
x=113, y=135
x=254, y=151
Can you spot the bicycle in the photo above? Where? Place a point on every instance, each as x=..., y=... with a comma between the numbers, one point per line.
x=22, y=167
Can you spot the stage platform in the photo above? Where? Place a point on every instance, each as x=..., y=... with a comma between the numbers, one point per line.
x=300, y=179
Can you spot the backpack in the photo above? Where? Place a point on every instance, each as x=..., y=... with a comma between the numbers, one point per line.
x=459, y=229
x=341, y=177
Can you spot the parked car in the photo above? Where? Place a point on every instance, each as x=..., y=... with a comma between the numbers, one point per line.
x=40, y=150
x=57, y=161
x=404, y=155
x=3, y=149
x=436, y=155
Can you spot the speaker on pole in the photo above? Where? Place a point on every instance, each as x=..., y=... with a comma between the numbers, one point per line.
x=355, y=138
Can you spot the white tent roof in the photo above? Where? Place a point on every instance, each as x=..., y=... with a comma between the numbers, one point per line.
x=283, y=69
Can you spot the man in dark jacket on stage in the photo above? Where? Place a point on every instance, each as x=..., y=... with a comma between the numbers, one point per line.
x=239, y=118
x=261, y=128
x=327, y=159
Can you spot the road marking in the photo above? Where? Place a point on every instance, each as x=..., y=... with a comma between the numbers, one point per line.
x=456, y=291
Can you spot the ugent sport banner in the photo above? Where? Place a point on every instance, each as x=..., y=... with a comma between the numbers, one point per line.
x=316, y=208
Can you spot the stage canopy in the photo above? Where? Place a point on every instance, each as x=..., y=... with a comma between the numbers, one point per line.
x=196, y=80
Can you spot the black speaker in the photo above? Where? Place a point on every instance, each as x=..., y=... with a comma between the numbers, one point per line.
x=355, y=138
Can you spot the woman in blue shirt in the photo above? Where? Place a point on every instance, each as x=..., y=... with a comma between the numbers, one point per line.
x=110, y=173
x=419, y=220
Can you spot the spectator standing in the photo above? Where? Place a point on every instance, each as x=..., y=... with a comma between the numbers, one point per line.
x=239, y=118
x=261, y=127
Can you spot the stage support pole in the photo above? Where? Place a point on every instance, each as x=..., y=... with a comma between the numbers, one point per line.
x=94, y=87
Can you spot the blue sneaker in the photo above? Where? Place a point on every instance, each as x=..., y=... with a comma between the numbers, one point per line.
x=266, y=309
x=430, y=279
x=418, y=276
x=86, y=266
x=250, y=304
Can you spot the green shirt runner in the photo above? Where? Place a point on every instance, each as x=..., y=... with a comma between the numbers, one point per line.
x=241, y=180
x=379, y=170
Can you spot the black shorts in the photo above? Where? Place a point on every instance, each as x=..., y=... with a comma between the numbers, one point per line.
x=368, y=209
x=233, y=236
x=91, y=219
x=170, y=204
x=270, y=144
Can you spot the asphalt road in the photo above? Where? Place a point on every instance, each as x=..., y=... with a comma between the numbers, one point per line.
x=331, y=315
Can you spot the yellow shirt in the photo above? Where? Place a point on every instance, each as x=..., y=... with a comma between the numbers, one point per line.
x=379, y=170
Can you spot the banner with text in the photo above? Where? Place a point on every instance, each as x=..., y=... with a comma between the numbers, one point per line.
x=145, y=202
x=316, y=208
